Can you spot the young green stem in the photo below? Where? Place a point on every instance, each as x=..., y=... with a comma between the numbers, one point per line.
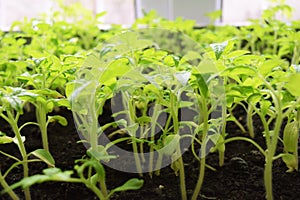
x=129, y=104
x=237, y=122
x=93, y=133
x=203, y=106
x=41, y=116
x=142, y=129
x=136, y=157
x=181, y=174
x=275, y=42
x=152, y=134
x=5, y=186
x=250, y=121
x=103, y=187
x=273, y=139
x=158, y=163
x=96, y=190
x=296, y=55
x=174, y=114
x=223, y=134
x=253, y=48
x=13, y=123
x=247, y=140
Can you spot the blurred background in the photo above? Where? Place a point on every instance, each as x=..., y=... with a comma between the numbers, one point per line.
x=235, y=12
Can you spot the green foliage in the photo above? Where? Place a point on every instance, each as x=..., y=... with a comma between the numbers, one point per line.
x=56, y=61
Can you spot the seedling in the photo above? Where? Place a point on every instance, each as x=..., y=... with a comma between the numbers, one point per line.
x=272, y=103
x=12, y=102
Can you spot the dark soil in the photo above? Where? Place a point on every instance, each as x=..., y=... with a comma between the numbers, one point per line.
x=241, y=177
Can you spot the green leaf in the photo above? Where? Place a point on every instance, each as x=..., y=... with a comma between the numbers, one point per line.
x=290, y=137
x=201, y=85
x=14, y=97
x=50, y=174
x=265, y=106
x=94, y=179
x=169, y=61
x=184, y=104
x=45, y=156
x=70, y=87
x=99, y=154
x=248, y=59
x=182, y=77
x=293, y=84
x=6, y=139
x=130, y=41
x=48, y=93
x=218, y=140
x=291, y=162
x=62, y=103
x=57, y=118
x=237, y=53
x=132, y=129
x=268, y=66
x=143, y=119
x=218, y=48
x=207, y=66
x=238, y=70
x=118, y=67
x=151, y=88
x=191, y=55
x=170, y=144
x=254, y=98
x=29, y=181
x=132, y=184
x=98, y=167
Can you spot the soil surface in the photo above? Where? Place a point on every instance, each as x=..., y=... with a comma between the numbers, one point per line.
x=241, y=177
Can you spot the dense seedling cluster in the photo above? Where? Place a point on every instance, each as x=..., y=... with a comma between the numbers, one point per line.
x=46, y=65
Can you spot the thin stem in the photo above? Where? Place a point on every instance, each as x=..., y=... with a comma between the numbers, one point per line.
x=223, y=133
x=247, y=140
x=152, y=134
x=114, y=142
x=274, y=140
x=6, y=187
x=158, y=163
x=265, y=125
x=132, y=116
x=96, y=190
x=10, y=156
x=174, y=115
x=142, y=143
x=41, y=120
x=22, y=149
x=290, y=109
x=295, y=58
x=136, y=157
x=203, y=106
x=88, y=184
x=103, y=187
x=28, y=123
x=253, y=45
x=18, y=163
x=237, y=122
x=181, y=174
x=250, y=121
x=93, y=136
x=275, y=42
